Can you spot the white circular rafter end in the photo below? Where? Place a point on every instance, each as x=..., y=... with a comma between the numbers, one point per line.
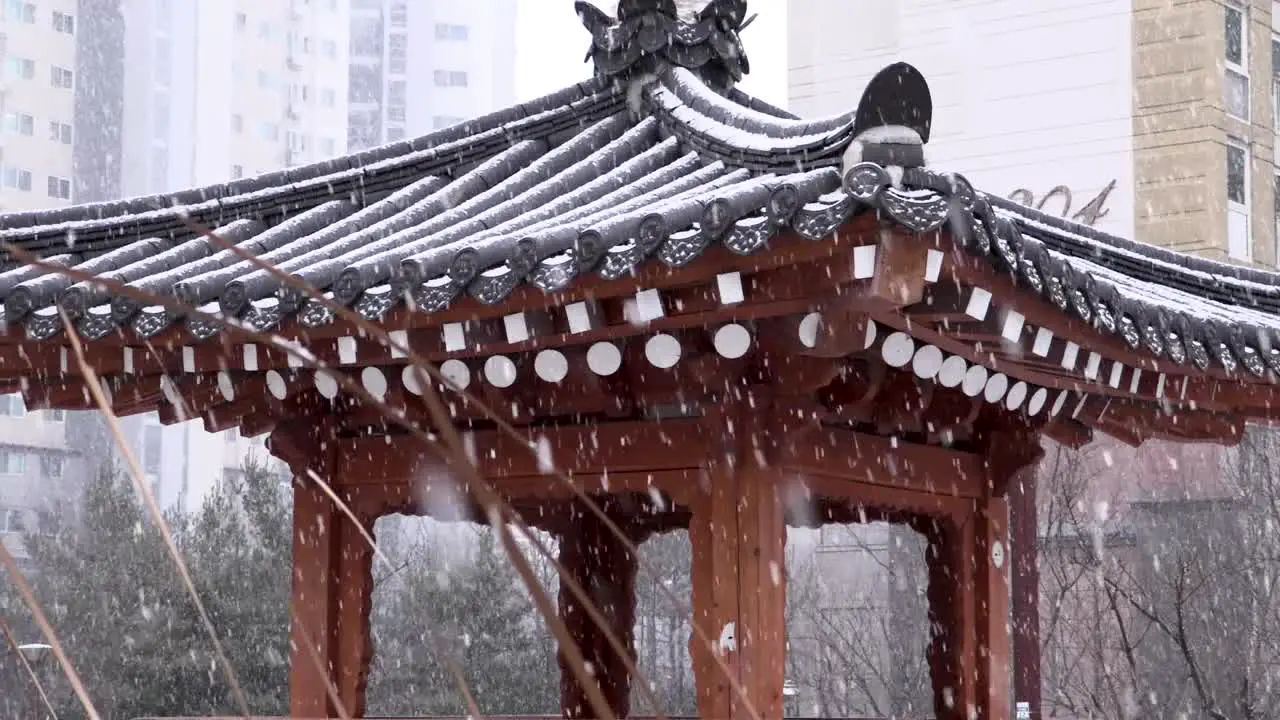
x=997, y=386
x=500, y=371
x=732, y=341
x=952, y=372
x=808, y=331
x=551, y=366
x=226, y=386
x=276, y=385
x=1036, y=404
x=898, y=349
x=456, y=374
x=927, y=362
x=975, y=379
x=326, y=385
x=1016, y=395
x=604, y=358
x=374, y=382
x=663, y=351
x=1057, y=404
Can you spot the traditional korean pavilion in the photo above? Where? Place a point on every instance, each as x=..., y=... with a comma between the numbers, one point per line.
x=705, y=312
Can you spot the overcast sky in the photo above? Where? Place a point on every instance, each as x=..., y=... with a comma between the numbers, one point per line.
x=551, y=43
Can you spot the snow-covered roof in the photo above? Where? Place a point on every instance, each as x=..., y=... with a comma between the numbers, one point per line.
x=651, y=165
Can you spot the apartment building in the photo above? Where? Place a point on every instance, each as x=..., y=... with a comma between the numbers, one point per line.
x=37, y=462
x=214, y=90
x=37, y=99
x=420, y=65
x=1152, y=119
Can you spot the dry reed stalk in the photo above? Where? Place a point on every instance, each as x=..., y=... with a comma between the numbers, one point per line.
x=31, y=673
x=37, y=614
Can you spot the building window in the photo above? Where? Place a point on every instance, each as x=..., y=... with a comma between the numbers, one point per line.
x=12, y=406
x=450, y=78
x=399, y=15
x=55, y=416
x=328, y=147
x=18, y=123
x=19, y=11
x=1236, y=85
x=64, y=23
x=269, y=131
x=1238, y=201
x=61, y=77
x=397, y=53
x=17, y=68
x=51, y=466
x=16, y=178
x=60, y=132
x=237, y=123
x=237, y=172
x=445, y=31
x=242, y=21
x=59, y=188
x=444, y=121
x=11, y=521
x=1275, y=82
x=12, y=461
x=395, y=134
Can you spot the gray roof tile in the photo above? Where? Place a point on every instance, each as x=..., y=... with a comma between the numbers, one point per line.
x=596, y=178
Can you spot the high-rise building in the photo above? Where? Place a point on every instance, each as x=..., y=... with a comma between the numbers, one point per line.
x=420, y=65
x=108, y=98
x=175, y=94
x=219, y=89
x=1153, y=120
x=37, y=103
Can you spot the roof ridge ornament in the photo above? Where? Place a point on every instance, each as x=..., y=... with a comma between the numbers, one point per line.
x=648, y=35
x=892, y=123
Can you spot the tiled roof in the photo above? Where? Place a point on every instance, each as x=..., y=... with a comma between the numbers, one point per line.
x=598, y=178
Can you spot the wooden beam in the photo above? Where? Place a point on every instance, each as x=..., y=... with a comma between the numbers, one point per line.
x=859, y=458
x=617, y=448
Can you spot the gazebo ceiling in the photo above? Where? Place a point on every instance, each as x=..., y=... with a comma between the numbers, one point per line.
x=658, y=189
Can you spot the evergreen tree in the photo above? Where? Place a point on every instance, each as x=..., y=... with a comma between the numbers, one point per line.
x=481, y=617
x=128, y=623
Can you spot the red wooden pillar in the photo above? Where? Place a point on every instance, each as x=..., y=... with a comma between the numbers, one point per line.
x=952, y=651
x=1024, y=559
x=604, y=568
x=969, y=652
x=738, y=536
x=991, y=609
x=329, y=609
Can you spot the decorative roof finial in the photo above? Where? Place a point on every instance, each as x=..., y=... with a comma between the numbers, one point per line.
x=650, y=34
x=892, y=123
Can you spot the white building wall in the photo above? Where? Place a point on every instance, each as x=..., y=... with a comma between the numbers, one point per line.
x=30, y=48
x=217, y=89
x=433, y=63
x=1026, y=95
x=486, y=55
